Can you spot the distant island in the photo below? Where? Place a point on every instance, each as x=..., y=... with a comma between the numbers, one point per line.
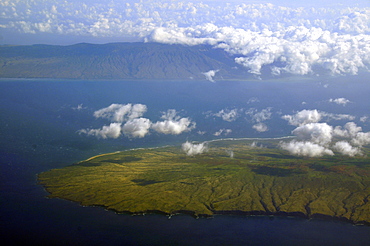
x=118, y=61
x=232, y=177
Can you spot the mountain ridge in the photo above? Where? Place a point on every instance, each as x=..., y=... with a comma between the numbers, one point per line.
x=118, y=61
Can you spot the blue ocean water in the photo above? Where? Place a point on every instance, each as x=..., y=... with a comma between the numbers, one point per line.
x=39, y=123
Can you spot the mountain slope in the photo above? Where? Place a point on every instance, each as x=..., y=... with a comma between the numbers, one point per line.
x=117, y=61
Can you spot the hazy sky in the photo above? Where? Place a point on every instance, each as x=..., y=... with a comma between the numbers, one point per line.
x=295, y=36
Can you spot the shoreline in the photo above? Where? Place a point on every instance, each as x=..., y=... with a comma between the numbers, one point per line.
x=226, y=213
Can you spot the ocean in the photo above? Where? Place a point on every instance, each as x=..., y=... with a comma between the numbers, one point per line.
x=40, y=123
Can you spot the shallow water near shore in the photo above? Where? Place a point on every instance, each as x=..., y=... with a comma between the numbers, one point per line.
x=39, y=127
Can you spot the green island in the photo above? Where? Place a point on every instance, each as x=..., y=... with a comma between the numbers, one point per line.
x=233, y=176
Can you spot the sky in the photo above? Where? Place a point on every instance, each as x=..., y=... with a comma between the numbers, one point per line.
x=293, y=37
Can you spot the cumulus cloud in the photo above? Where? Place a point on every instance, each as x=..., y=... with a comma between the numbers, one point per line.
x=111, y=131
x=136, y=128
x=345, y=148
x=227, y=114
x=305, y=148
x=173, y=124
x=121, y=112
x=362, y=138
x=260, y=127
x=261, y=37
x=263, y=115
x=319, y=133
x=313, y=116
x=303, y=117
x=350, y=130
x=340, y=101
x=194, y=149
x=354, y=133
x=316, y=139
x=210, y=74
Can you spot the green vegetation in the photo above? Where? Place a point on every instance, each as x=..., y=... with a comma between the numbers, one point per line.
x=117, y=61
x=257, y=180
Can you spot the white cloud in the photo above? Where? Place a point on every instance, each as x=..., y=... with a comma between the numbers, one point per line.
x=210, y=74
x=340, y=101
x=362, y=138
x=194, y=149
x=259, y=117
x=111, y=131
x=305, y=148
x=354, y=133
x=222, y=131
x=350, y=130
x=121, y=112
x=330, y=116
x=136, y=128
x=345, y=148
x=260, y=127
x=313, y=116
x=173, y=124
x=319, y=133
x=263, y=115
x=364, y=118
x=303, y=117
x=228, y=115
x=317, y=138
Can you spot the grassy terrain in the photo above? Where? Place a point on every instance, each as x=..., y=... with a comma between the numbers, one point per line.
x=257, y=180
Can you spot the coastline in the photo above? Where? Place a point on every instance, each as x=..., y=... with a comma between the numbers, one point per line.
x=228, y=212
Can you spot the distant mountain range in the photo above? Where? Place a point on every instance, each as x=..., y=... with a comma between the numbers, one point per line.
x=118, y=61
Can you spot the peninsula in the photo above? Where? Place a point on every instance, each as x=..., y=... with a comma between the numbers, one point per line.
x=233, y=176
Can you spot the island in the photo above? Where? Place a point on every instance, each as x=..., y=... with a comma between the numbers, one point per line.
x=235, y=176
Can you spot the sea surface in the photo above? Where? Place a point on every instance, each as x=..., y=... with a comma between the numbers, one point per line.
x=40, y=121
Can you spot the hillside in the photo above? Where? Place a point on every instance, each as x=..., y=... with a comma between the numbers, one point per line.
x=117, y=61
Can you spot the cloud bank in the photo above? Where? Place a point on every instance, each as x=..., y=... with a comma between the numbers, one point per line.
x=264, y=38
